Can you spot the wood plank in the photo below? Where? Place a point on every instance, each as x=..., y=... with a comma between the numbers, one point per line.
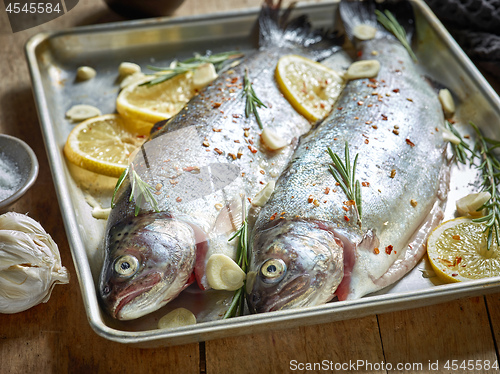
x=457, y=330
x=327, y=345
x=493, y=305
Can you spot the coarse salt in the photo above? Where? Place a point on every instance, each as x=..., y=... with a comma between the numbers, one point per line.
x=10, y=177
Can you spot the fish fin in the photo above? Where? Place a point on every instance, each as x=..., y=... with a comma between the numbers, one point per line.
x=277, y=29
x=230, y=217
x=356, y=12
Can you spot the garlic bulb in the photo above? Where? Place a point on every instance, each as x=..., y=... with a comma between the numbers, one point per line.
x=30, y=263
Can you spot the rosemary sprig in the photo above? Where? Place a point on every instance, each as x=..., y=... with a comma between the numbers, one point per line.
x=346, y=177
x=144, y=190
x=191, y=64
x=489, y=165
x=238, y=303
x=390, y=22
x=252, y=102
x=490, y=168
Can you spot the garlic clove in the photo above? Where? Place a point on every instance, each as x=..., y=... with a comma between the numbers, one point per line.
x=468, y=205
x=363, y=69
x=203, y=75
x=447, y=102
x=128, y=68
x=82, y=112
x=177, y=318
x=364, y=32
x=84, y=73
x=448, y=136
x=272, y=140
x=223, y=273
x=263, y=195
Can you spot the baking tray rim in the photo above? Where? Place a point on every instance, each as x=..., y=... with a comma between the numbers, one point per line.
x=366, y=306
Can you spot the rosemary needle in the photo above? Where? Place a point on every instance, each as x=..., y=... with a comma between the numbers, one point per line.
x=252, y=102
x=390, y=22
x=346, y=178
x=140, y=189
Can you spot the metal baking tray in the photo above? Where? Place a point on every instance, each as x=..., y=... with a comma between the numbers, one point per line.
x=53, y=59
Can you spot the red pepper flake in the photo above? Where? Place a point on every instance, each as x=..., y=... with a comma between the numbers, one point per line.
x=346, y=218
x=206, y=144
x=373, y=80
x=367, y=141
x=454, y=275
x=349, y=203
x=410, y=143
x=356, y=117
x=327, y=190
x=236, y=116
x=360, y=53
x=384, y=117
x=262, y=172
x=345, y=208
x=250, y=141
x=368, y=122
x=360, y=102
x=376, y=251
x=411, y=100
x=218, y=150
x=388, y=249
x=365, y=184
x=369, y=105
x=396, y=90
x=375, y=127
x=310, y=199
x=179, y=199
x=456, y=237
x=232, y=155
x=216, y=130
x=234, y=80
x=395, y=131
x=237, y=141
x=273, y=216
x=216, y=105
x=337, y=184
x=340, y=108
x=252, y=149
x=467, y=136
x=393, y=173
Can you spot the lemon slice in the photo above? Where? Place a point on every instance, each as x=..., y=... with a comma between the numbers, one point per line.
x=141, y=106
x=458, y=252
x=101, y=145
x=310, y=87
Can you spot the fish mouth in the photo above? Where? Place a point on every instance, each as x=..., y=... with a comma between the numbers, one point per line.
x=132, y=292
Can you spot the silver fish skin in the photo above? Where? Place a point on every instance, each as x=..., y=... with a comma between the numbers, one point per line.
x=393, y=124
x=205, y=164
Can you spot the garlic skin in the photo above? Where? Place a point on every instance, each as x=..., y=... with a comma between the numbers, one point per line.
x=30, y=263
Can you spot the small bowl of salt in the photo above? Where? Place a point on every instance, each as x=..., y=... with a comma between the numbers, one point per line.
x=18, y=169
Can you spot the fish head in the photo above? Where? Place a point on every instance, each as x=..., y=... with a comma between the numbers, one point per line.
x=149, y=261
x=295, y=263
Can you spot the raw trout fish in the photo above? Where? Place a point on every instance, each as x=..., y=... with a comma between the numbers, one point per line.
x=308, y=244
x=204, y=164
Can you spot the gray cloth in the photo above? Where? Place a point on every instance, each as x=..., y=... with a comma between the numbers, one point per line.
x=475, y=25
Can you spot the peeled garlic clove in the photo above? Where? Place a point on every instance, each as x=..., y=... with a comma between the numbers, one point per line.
x=471, y=203
x=223, y=273
x=30, y=263
x=82, y=112
x=177, y=318
x=272, y=140
x=203, y=75
x=363, y=69
x=364, y=32
x=263, y=195
x=84, y=73
x=447, y=102
x=128, y=68
x=448, y=136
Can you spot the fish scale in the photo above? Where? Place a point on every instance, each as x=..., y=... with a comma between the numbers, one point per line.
x=393, y=124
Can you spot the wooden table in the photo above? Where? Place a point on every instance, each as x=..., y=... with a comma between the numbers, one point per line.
x=56, y=337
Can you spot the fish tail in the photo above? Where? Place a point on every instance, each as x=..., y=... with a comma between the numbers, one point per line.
x=357, y=12
x=277, y=29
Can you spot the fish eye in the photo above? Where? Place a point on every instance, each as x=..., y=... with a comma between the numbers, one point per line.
x=126, y=265
x=273, y=270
